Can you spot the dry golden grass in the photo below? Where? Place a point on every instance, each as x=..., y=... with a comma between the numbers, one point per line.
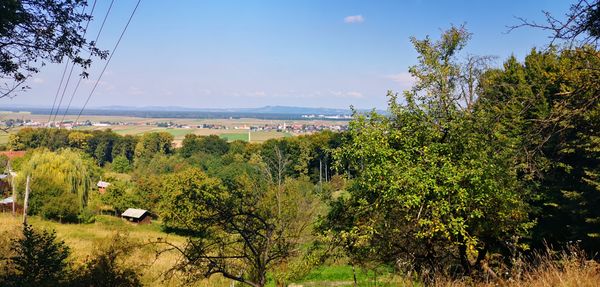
x=84, y=239
x=565, y=269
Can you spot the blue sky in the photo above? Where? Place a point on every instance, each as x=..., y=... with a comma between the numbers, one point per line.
x=314, y=53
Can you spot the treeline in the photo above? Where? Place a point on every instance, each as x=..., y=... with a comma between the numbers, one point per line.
x=67, y=170
x=228, y=196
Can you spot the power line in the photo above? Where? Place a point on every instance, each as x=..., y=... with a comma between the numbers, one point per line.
x=58, y=90
x=89, y=57
x=109, y=58
x=72, y=65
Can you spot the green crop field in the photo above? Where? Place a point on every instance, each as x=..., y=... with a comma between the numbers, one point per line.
x=235, y=137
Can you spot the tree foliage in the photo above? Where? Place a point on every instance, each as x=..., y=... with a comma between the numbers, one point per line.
x=36, y=32
x=550, y=106
x=60, y=183
x=435, y=187
x=38, y=260
x=239, y=231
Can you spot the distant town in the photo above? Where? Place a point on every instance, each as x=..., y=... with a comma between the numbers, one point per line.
x=280, y=126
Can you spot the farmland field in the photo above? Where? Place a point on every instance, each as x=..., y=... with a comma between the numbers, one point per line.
x=232, y=129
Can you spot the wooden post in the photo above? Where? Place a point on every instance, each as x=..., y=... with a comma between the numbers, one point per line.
x=320, y=176
x=14, y=194
x=26, y=201
x=14, y=190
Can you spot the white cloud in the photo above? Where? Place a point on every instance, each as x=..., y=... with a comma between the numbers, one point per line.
x=135, y=91
x=355, y=95
x=354, y=19
x=405, y=79
x=257, y=94
x=39, y=80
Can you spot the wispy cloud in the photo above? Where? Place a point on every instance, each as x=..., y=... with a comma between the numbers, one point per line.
x=405, y=79
x=349, y=94
x=354, y=19
x=135, y=91
x=39, y=80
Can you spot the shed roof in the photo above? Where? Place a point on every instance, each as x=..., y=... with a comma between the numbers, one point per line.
x=134, y=212
x=103, y=184
x=7, y=200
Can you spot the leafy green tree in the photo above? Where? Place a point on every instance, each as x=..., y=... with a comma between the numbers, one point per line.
x=54, y=174
x=121, y=164
x=211, y=144
x=153, y=143
x=549, y=104
x=38, y=31
x=434, y=186
x=63, y=207
x=120, y=195
x=38, y=260
x=79, y=140
x=241, y=232
x=125, y=146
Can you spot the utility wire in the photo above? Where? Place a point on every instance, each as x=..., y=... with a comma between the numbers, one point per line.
x=58, y=90
x=109, y=58
x=73, y=64
x=89, y=57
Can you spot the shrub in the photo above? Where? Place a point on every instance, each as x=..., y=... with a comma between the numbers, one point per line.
x=64, y=208
x=39, y=260
x=107, y=267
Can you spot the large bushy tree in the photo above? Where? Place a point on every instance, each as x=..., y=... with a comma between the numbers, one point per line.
x=60, y=183
x=434, y=186
x=240, y=229
x=550, y=106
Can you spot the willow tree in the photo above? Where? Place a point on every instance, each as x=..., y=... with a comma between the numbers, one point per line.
x=60, y=183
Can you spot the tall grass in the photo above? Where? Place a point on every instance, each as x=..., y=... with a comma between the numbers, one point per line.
x=568, y=268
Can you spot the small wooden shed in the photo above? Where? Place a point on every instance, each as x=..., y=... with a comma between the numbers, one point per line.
x=135, y=215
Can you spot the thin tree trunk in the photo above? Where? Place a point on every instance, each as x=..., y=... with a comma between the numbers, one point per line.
x=26, y=201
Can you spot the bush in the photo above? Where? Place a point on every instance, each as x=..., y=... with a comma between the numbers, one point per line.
x=107, y=267
x=64, y=208
x=86, y=216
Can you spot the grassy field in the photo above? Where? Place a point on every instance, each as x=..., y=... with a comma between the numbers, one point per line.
x=83, y=239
